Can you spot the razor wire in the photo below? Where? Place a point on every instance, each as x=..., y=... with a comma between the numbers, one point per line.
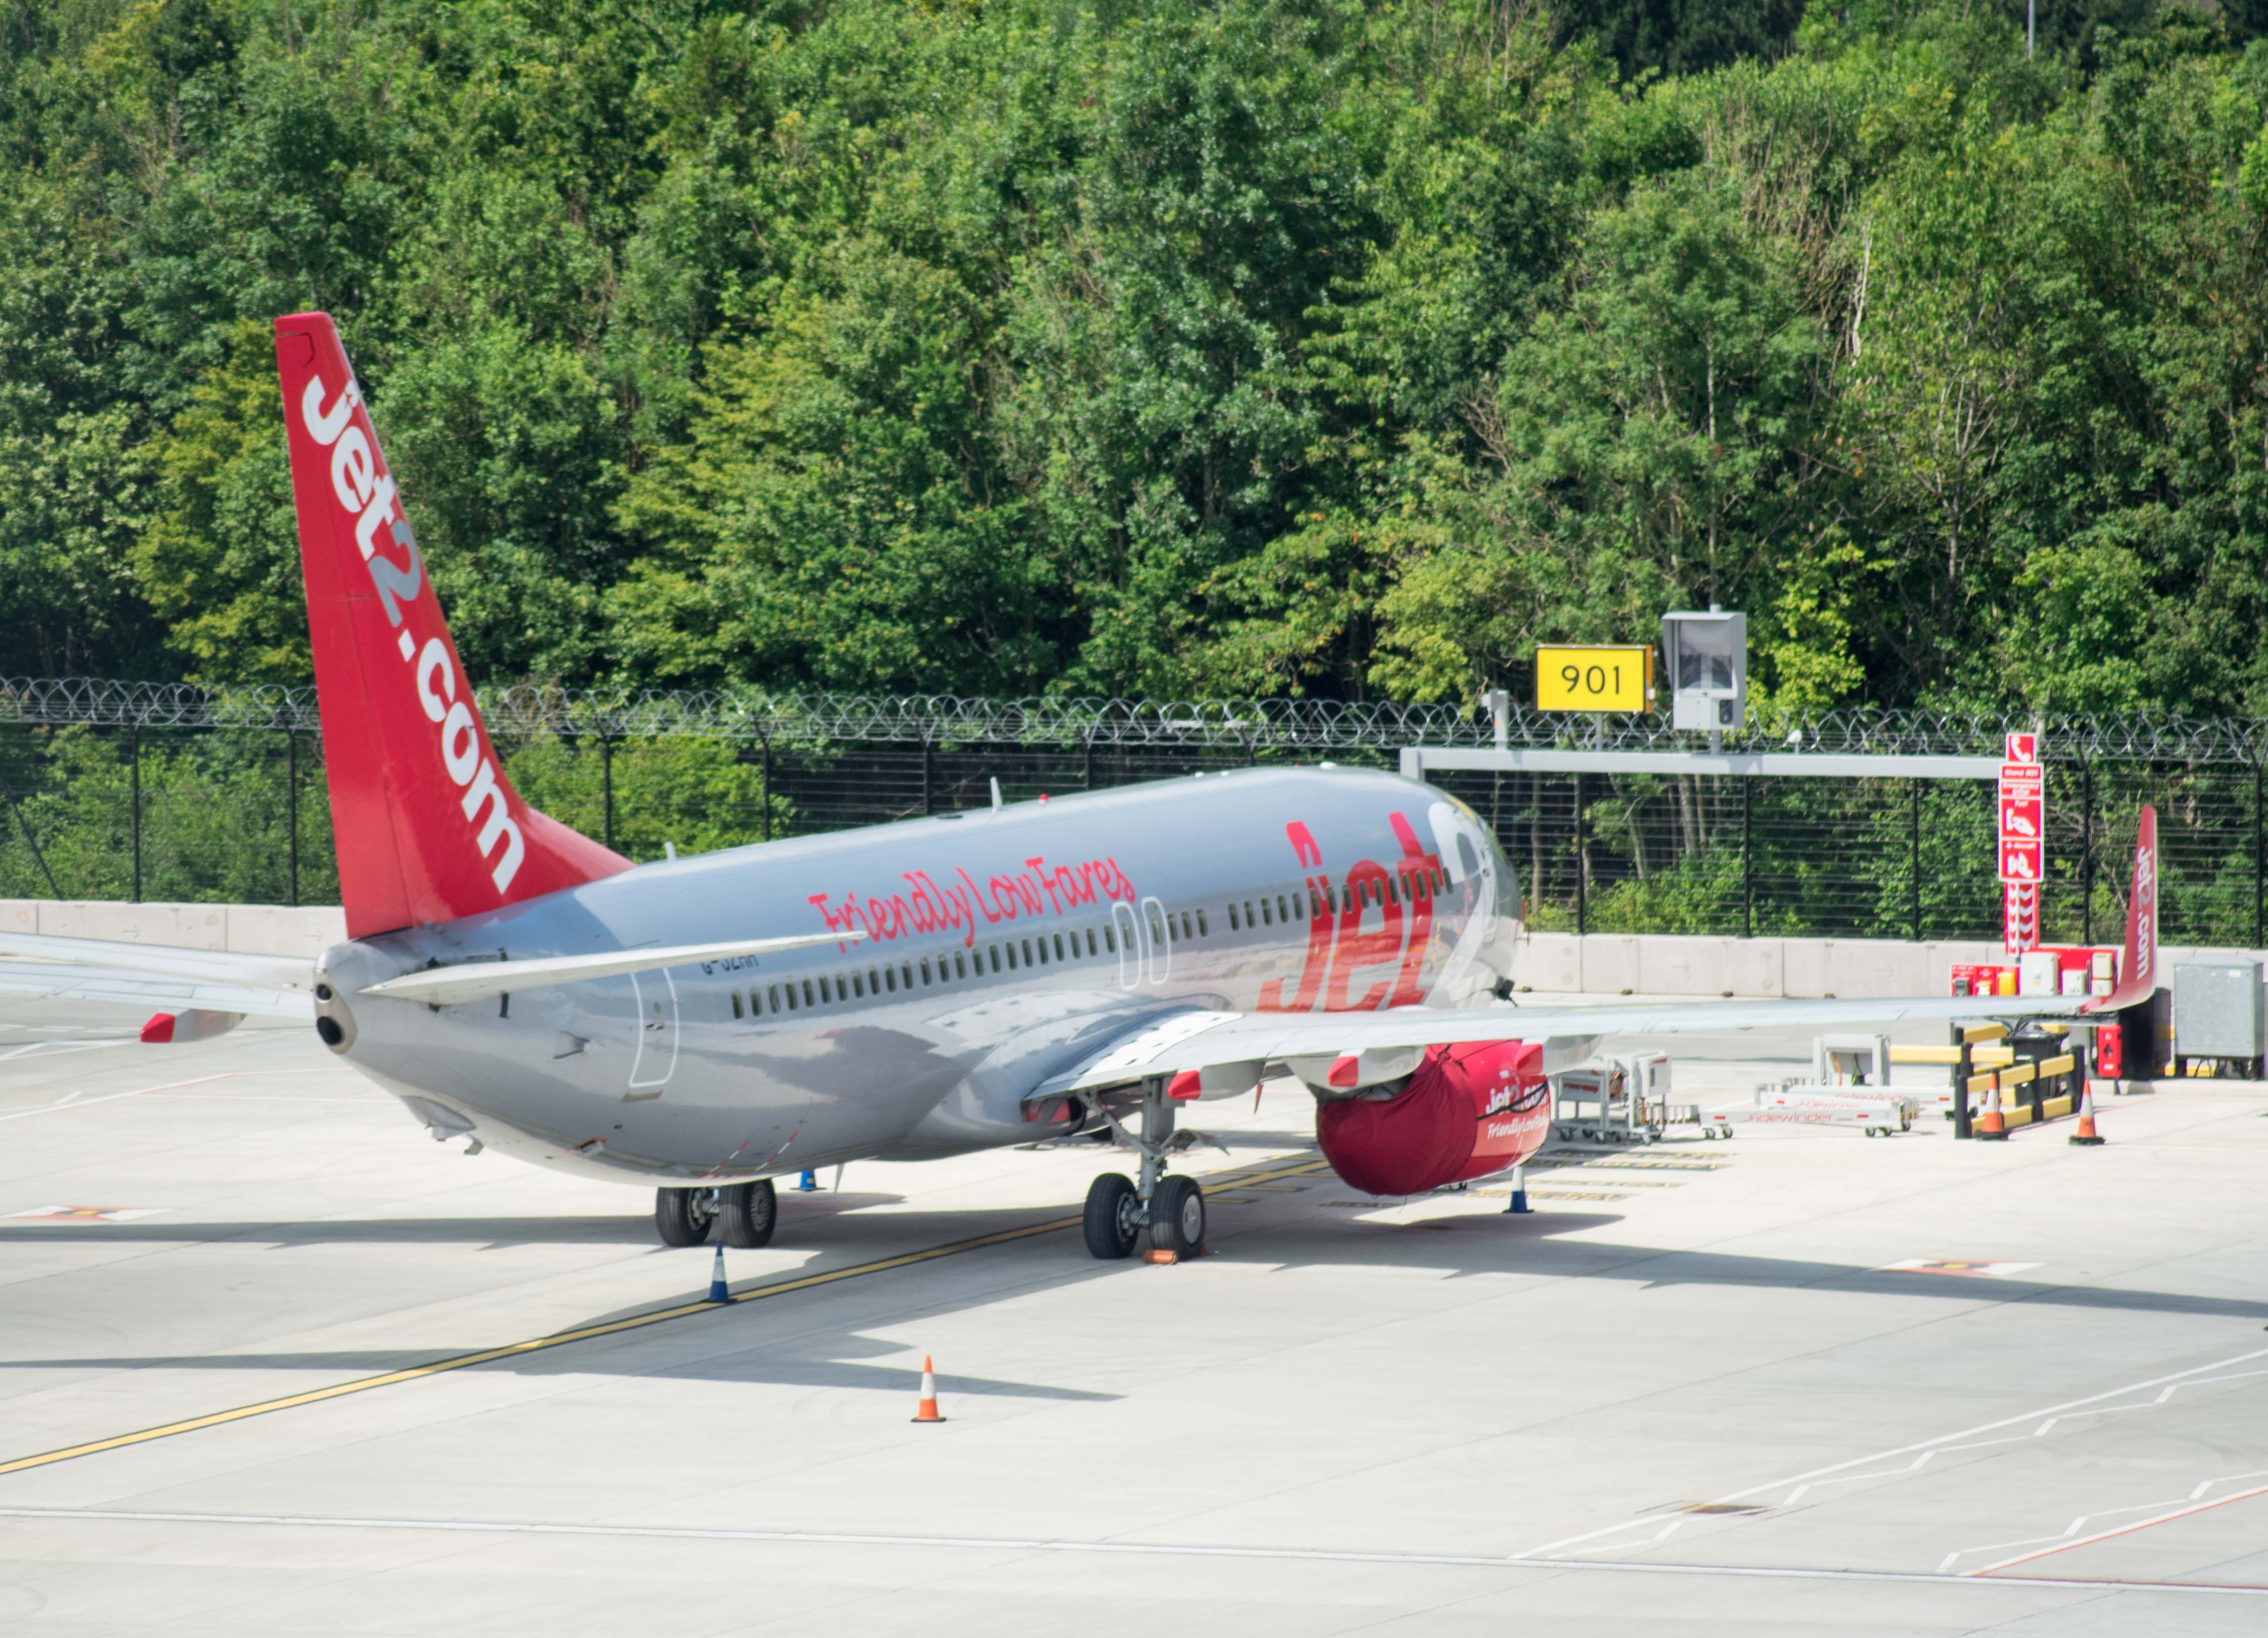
x=529, y=710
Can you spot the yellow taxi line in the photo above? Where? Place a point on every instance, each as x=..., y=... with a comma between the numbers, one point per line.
x=561, y=1338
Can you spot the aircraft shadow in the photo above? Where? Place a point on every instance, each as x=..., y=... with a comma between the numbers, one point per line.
x=819, y=1352
x=1497, y=1243
x=801, y=1370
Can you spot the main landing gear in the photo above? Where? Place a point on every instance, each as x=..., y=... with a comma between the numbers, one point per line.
x=741, y=1216
x=1172, y=1208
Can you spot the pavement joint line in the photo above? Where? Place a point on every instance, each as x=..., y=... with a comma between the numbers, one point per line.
x=1156, y=1549
x=561, y=1338
x=1806, y=1480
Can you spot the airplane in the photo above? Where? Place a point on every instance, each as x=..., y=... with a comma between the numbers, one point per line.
x=701, y=1026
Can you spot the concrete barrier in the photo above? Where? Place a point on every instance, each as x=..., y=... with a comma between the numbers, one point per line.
x=1610, y=964
x=268, y=929
x=1613, y=964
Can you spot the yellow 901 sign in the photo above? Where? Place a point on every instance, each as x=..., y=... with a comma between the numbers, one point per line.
x=1594, y=677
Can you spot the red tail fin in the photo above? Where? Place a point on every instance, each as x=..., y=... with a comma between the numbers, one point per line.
x=428, y=826
x=2138, y=971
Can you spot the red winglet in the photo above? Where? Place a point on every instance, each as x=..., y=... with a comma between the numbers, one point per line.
x=428, y=826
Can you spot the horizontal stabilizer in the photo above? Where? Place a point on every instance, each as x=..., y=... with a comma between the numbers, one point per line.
x=193, y=1023
x=210, y=966
x=445, y=987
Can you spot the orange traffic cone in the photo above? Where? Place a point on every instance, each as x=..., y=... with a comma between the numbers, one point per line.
x=2086, y=1136
x=927, y=1410
x=1989, y=1124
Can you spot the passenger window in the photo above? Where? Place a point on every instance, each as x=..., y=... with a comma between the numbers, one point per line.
x=959, y=965
x=1264, y=916
x=858, y=987
x=806, y=994
x=1027, y=950
x=1202, y=930
x=1091, y=950
x=891, y=978
x=1283, y=909
x=775, y=998
x=736, y=1003
x=823, y=995
x=1249, y=920
x=906, y=972
x=1059, y=949
x=1110, y=941
x=790, y=995
x=1232, y=918
x=874, y=981
x=924, y=967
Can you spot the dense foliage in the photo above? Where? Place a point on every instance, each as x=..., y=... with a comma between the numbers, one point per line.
x=1251, y=346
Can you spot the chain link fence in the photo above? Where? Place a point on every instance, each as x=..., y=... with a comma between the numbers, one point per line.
x=170, y=792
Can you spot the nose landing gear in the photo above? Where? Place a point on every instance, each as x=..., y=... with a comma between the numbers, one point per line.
x=1172, y=1208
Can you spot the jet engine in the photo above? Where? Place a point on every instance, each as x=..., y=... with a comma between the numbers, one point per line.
x=1466, y=1111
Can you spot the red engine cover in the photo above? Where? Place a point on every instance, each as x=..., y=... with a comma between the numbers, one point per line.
x=1468, y=1110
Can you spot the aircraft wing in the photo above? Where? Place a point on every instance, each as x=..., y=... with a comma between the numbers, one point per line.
x=1196, y=1040
x=1243, y=1044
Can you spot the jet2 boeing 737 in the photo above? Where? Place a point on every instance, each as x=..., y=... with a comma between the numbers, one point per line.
x=906, y=990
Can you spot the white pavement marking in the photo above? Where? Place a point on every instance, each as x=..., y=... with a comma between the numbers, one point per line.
x=1797, y=1483
x=2068, y=1537
x=56, y=1049
x=1155, y=1549
x=80, y=1100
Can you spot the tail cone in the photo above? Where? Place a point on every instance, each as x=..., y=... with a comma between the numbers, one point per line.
x=927, y=1410
x=2087, y=1137
x=1991, y=1123
x=719, y=1291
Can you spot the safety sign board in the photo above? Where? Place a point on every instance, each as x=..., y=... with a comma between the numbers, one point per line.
x=2023, y=821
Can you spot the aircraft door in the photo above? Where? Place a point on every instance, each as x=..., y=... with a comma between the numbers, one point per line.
x=1158, y=941
x=1123, y=922
x=655, y=1058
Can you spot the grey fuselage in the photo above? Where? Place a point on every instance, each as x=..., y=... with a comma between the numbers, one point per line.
x=1001, y=946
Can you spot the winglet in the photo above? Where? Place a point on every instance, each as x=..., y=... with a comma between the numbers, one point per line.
x=428, y=827
x=2137, y=970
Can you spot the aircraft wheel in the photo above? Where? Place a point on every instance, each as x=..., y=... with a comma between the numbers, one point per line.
x=750, y=1212
x=1113, y=1216
x=684, y=1217
x=1177, y=1216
